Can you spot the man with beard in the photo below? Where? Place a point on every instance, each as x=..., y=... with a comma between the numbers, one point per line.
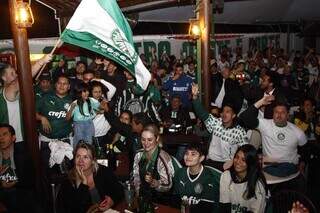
x=280, y=138
x=268, y=86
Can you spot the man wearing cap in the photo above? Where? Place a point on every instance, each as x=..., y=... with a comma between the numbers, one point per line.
x=227, y=134
x=44, y=86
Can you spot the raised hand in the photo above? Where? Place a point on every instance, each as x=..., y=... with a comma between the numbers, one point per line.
x=264, y=101
x=81, y=175
x=46, y=59
x=194, y=90
x=298, y=207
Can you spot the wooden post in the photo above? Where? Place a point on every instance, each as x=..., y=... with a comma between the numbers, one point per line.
x=205, y=25
x=27, y=106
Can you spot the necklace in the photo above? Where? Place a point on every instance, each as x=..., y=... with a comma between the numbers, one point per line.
x=239, y=179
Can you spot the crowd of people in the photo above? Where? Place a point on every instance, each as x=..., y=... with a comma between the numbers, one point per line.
x=270, y=93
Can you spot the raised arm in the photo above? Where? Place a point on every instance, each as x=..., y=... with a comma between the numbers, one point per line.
x=112, y=89
x=250, y=116
x=198, y=108
x=40, y=63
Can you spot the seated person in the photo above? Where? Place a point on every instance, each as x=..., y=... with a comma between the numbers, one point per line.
x=174, y=117
x=16, y=173
x=153, y=168
x=227, y=134
x=243, y=186
x=89, y=185
x=280, y=138
x=197, y=186
x=306, y=118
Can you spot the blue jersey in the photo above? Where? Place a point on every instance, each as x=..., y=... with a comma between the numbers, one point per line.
x=181, y=87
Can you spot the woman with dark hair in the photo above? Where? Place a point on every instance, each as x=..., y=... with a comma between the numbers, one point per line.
x=101, y=91
x=83, y=110
x=89, y=185
x=119, y=140
x=243, y=186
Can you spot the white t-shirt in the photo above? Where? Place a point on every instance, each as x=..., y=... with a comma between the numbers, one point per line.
x=219, y=99
x=101, y=125
x=281, y=143
x=232, y=193
x=15, y=117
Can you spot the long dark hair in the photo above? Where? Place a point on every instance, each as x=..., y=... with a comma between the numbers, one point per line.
x=82, y=87
x=254, y=173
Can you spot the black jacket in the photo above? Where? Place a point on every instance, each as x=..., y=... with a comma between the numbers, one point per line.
x=253, y=94
x=233, y=93
x=78, y=199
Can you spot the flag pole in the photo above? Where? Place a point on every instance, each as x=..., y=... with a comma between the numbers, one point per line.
x=57, y=45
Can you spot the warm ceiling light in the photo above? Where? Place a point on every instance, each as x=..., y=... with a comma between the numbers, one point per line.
x=23, y=14
x=194, y=29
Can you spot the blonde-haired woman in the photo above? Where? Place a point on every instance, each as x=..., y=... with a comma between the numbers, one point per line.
x=88, y=184
x=152, y=169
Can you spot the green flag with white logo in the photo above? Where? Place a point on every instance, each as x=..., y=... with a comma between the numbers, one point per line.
x=100, y=26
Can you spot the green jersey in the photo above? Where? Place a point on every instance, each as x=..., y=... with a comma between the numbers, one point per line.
x=55, y=110
x=38, y=93
x=203, y=188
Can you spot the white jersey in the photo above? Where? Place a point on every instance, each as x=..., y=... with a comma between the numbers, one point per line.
x=232, y=193
x=281, y=143
x=224, y=141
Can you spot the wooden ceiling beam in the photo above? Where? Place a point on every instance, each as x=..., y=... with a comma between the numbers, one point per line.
x=67, y=7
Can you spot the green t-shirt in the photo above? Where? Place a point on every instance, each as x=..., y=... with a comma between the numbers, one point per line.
x=55, y=110
x=204, y=187
x=9, y=175
x=38, y=93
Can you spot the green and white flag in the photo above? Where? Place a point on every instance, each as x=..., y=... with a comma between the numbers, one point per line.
x=100, y=26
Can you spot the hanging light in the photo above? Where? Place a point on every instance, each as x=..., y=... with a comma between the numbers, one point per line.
x=194, y=29
x=23, y=14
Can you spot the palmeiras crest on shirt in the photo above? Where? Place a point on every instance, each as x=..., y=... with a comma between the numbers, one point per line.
x=134, y=105
x=66, y=106
x=281, y=136
x=198, y=188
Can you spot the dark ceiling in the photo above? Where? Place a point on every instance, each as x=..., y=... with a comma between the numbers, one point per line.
x=47, y=26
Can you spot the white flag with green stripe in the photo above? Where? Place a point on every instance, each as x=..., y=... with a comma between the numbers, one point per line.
x=100, y=26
